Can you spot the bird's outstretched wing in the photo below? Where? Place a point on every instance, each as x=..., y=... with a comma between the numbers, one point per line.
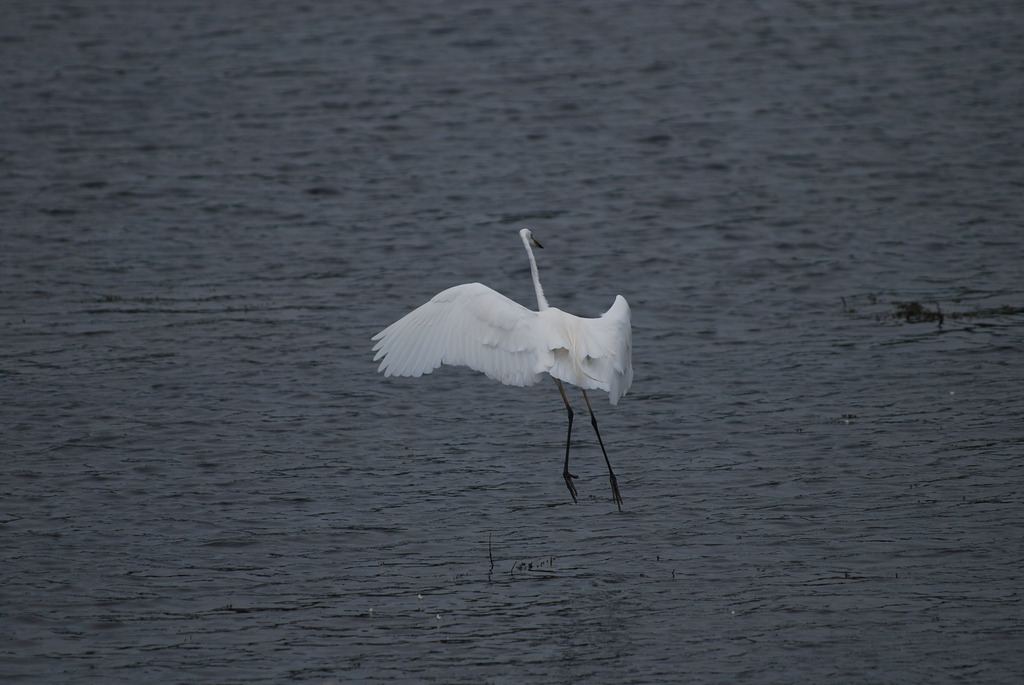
x=591, y=353
x=466, y=325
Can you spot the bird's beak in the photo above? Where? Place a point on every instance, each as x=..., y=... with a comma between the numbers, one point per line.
x=535, y=243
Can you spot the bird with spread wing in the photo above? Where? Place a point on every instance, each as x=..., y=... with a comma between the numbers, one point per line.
x=475, y=326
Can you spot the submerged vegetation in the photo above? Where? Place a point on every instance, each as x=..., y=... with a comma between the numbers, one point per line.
x=913, y=311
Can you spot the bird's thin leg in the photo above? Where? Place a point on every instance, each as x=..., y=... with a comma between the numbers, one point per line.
x=568, y=437
x=616, y=497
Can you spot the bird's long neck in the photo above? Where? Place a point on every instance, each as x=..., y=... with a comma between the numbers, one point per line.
x=542, y=303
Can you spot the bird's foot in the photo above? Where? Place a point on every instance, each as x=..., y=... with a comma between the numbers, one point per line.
x=569, y=484
x=616, y=497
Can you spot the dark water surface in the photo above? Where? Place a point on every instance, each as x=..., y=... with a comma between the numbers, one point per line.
x=207, y=209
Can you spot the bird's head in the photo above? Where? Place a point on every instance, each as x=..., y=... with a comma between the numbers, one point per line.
x=527, y=236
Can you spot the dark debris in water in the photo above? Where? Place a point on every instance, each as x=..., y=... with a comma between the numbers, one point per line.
x=913, y=311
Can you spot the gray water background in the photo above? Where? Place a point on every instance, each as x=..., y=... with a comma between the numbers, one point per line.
x=207, y=209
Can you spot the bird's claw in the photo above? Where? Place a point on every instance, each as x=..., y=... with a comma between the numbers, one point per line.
x=616, y=497
x=569, y=484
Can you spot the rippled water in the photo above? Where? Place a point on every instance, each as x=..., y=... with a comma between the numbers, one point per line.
x=206, y=210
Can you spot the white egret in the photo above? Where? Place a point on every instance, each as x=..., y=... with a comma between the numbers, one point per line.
x=475, y=326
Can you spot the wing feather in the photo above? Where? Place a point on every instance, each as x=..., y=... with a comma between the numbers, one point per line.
x=475, y=326
x=592, y=353
x=467, y=325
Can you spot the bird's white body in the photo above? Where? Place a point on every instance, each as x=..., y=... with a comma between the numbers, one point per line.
x=475, y=326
